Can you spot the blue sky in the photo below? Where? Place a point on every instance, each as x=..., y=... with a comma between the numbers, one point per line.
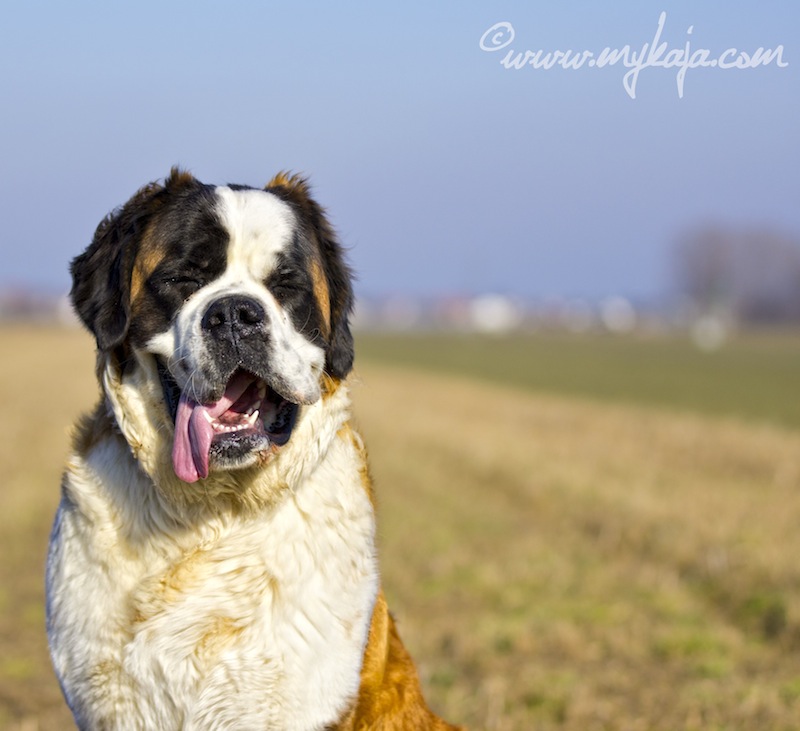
x=443, y=171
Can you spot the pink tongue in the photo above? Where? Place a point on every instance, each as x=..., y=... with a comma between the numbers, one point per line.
x=193, y=431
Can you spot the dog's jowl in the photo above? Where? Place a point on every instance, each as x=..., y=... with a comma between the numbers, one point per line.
x=212, y=564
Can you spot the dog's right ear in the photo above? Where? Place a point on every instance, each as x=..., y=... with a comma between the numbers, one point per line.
x=340, y=350
x=101, y=275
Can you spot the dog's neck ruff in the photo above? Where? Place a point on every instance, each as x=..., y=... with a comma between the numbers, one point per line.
x=163, y=592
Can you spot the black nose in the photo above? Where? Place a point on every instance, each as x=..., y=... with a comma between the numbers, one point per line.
x=241, y=315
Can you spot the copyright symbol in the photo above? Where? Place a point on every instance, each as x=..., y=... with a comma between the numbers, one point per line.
x=497, y=37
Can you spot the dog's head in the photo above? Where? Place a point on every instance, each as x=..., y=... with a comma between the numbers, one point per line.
x=239, y=298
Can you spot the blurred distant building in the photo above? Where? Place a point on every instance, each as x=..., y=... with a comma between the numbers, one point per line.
x=618, y=315
x=20, y=304
x=494, y=313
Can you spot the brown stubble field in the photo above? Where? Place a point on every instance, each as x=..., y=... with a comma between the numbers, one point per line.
x=553, y=562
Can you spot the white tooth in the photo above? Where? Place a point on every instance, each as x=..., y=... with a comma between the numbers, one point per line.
x=208, y=417
x=251, y=420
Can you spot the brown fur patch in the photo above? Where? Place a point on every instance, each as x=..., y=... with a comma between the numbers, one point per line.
x=297, y=188
x=293, y=182
x=159, y=592
x=220, y=633
x=148, y=258
x=179, y=179
x=328, y=385
x=347, y=432
x=390, y=697
x=322, y=295
x=104, y=677
x=182, y=575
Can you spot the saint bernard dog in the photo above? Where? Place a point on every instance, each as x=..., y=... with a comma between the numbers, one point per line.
x=212, y=564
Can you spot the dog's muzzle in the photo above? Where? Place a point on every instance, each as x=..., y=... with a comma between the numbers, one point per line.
x=235, y=405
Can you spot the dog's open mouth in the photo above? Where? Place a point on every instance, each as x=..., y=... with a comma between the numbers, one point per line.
x=250, y=417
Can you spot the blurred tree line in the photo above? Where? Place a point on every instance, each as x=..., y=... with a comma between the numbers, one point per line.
x=751, y=276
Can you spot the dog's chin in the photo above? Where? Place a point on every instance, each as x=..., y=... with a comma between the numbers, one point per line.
x=240, y=450
x=250, y=430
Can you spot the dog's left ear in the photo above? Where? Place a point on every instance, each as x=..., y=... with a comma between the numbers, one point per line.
x=101, y=275
x=294, y=190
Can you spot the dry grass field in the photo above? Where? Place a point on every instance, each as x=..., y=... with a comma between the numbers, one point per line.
x=553, y=562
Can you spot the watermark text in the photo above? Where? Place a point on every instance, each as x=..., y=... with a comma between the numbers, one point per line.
x=652, y=54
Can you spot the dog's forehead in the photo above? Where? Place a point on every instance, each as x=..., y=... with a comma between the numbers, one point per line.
x=259, y=225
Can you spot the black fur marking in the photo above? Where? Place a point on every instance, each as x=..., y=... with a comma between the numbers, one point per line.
x=340, y=349
x=291, y=284
x=101, y=276
x=195, y=245
x=172, y=392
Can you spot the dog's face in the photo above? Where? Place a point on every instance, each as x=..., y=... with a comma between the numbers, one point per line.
x=241, y=297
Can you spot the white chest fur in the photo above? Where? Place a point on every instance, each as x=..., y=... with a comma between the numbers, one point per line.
x=243, y=624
